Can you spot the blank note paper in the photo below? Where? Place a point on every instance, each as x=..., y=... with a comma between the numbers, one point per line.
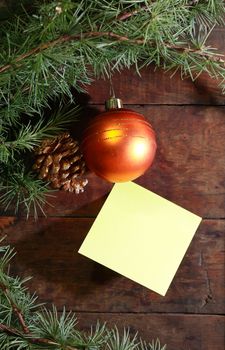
x=140, y=235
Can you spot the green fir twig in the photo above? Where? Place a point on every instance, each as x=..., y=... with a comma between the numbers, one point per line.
x=28, y=326
x=19, y=187
x=53, y=46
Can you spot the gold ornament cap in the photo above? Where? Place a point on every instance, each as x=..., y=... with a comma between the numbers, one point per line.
x=113, y=103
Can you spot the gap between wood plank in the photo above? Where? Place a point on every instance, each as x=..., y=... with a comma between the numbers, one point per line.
x=188, y=314
x=80, y=217
x=164, y=104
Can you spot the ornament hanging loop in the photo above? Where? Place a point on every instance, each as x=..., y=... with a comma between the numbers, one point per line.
x=111, y=88
x=112, y=102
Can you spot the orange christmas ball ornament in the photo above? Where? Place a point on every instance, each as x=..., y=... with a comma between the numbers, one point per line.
x=119, y=144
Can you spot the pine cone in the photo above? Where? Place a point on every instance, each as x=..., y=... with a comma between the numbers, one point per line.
x=60, y=162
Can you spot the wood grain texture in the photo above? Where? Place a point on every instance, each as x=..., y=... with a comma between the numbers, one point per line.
x=179, y=332
x=48, y=249
x=189, y=168
x=157, y=87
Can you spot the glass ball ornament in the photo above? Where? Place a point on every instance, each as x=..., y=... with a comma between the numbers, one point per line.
x=119, y=145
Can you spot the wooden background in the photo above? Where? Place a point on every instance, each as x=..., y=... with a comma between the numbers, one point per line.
x=189, y=170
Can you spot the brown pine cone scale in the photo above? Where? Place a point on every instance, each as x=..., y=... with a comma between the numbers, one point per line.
x=60, y=162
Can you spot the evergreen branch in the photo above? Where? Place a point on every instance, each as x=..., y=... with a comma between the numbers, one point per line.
x=110, y=34
x=31, y=340
x=68, y=43
x=30, y=136
x=63, y=39
x=46, y=329
x=66, y=38
x=20, y=188
x=17, y=185
x=45, y=341
x=125, y=15
x=15, y=308
x=26, y=334
x=10, y=330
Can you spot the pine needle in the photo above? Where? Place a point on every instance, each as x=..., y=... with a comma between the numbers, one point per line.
x=24, y=324
x=52, y=47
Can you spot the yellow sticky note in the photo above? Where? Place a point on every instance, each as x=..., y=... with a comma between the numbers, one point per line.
x=140, y=235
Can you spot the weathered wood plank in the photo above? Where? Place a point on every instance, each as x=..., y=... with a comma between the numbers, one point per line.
x=217, y=39
x=47, y=249
x=179, y=332
x=159, y=87
x=189, y=168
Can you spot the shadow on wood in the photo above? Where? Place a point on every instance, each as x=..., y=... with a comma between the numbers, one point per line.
x=52, y=257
